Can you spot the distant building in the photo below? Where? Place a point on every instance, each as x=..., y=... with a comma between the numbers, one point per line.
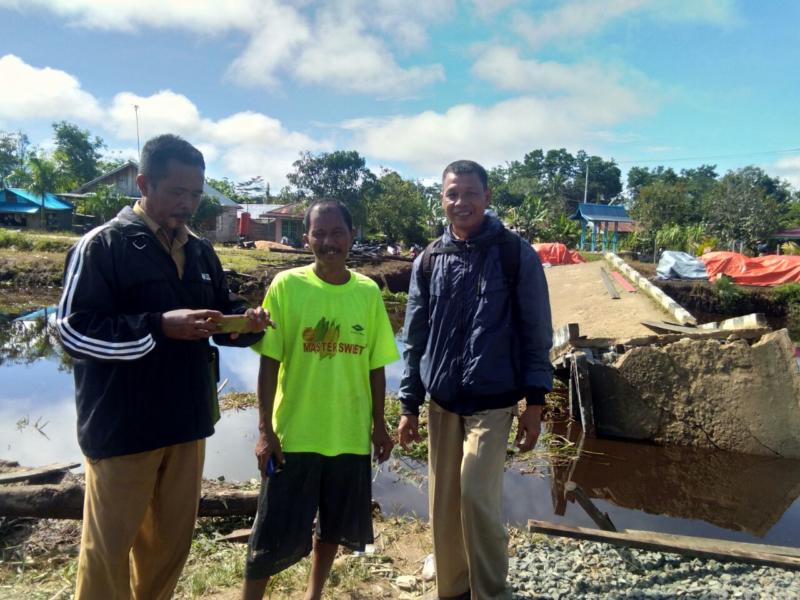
x=123, y=181
x=602, y=219
x=22, y=209
x=273, y=222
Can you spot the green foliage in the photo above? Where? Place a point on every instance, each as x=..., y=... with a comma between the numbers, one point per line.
x=788, y=293
x=793, y=320
x=26, y=242
x=76, y=154
x=208, y=210
x=790, y=248
x=563, y=230
x=104, y=203
x=529, y=218
x=728, y=293
x=745, y=206
x=397, y=209
x=12, y=154
x=342, y=175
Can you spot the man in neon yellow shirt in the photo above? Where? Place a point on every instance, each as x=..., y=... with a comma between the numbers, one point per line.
x=321, y=388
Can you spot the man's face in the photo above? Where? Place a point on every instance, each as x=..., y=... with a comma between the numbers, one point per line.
x=464, y=199
x=329, y=237
x=172, y=201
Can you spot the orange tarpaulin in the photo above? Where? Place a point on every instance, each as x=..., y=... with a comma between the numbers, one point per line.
x=557, y=254
x=760, y=270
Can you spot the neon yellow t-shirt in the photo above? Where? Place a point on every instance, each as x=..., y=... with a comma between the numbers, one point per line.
x=328, y=339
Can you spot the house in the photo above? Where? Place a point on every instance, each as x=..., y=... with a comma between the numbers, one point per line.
x=123, y=181
x=599, y=217
x=22, y=209
x=272, y=222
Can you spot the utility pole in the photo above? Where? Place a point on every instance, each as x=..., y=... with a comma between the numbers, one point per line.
x=586, y=183
x=138, y=151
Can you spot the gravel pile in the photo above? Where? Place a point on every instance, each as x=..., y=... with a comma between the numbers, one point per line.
x=563, y=568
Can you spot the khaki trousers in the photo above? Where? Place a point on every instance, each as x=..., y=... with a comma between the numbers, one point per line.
x=465, y=481
x=138, y=518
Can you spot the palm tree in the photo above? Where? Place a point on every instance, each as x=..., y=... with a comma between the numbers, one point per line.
x=44, y=178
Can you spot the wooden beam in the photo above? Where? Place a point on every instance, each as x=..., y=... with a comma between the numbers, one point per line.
x=583, y=391
x=663, y=327
x=601, y=519
x=721, y=550
x=612, y=291
x=66, y=502
x=38, y=474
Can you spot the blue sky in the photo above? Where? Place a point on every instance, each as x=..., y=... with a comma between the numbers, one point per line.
x=413, y=84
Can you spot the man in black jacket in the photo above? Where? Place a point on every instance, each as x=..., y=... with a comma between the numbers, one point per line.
x=142, y=295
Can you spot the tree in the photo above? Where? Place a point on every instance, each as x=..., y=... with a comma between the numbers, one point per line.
x=529, y=218
x=44, y=178
x=745, y=206
x=342, y=175
x=13, y=150
x=661, y=203
x=104, y=203
x=76, y=154
x=397, y=208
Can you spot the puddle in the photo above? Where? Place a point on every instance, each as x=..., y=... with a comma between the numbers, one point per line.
x=671, y=490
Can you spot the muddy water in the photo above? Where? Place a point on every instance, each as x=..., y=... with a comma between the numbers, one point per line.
x=673, y=490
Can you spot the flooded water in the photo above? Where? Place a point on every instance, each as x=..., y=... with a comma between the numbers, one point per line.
x=671, y=490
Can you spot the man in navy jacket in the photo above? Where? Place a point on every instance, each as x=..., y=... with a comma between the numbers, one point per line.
x=477, y=337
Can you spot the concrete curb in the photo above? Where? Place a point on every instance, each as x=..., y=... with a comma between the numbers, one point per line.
x=680, y=314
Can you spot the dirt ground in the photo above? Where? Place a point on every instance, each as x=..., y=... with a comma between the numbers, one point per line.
x=578, y=295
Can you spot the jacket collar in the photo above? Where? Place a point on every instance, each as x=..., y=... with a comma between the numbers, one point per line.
x=491, y=228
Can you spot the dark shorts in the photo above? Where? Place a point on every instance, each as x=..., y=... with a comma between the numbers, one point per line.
x=339, y=488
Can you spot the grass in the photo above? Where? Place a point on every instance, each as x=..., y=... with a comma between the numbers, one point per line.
x=590, y=256
x=35, y=241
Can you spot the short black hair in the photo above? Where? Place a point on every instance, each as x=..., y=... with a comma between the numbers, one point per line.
x=328, y=204
x=464, y=167
x=158, y=151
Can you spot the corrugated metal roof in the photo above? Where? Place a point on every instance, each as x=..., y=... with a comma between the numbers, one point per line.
x=20, y=209
x=601, y=212
x=50, y=201
x=793, y=233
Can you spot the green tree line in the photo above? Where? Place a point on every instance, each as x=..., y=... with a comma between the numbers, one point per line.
x=690, y=209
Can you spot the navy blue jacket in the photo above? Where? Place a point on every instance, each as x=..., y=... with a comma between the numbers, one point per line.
x=468, y=343
x=136, y=389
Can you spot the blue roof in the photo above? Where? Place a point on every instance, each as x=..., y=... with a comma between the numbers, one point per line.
x=27, y=200
x=601, y=212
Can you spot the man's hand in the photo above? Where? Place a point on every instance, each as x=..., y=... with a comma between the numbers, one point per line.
x=188, y=324
x=382, y=442
x=257, y=320
x=266, y=446
x=529, y=427
x=408, y=431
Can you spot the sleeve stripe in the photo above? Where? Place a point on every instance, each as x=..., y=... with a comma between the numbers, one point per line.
x=82, y=343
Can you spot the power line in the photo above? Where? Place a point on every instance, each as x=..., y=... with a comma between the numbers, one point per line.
x=718, y=156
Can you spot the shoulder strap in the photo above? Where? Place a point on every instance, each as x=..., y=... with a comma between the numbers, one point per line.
x=509, y=257
x=427, y=261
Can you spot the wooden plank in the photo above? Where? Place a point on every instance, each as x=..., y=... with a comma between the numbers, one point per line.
x=663, y=327
x=237, y=536
x=601, y=519
x=696, y=547
x=612, y=291
x=580, y=376
x=746, y=334
x=37, y=474
x=620, y=279
x=782, y=550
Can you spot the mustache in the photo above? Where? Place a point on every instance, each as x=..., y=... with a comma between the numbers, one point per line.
x=326, y=249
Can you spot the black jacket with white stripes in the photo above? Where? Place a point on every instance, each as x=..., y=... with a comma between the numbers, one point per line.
x=135, y=389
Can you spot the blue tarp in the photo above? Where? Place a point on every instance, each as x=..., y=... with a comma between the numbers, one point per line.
x=28, y=199
x=680, y=265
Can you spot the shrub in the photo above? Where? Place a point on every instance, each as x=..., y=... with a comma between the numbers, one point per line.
x=728, y=294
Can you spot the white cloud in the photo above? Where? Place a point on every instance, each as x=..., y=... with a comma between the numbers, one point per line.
x=489, y=8
x=206, y=16
x=344, y=56
x=599, y=84
x=43, y=93
x=577, y=18
x=492, y=135
x=789, y=169
x=349, y=46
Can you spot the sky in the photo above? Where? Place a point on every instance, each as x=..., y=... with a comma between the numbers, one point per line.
x=412, y=84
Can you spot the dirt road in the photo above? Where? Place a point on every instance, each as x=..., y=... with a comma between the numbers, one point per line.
x=577, y=295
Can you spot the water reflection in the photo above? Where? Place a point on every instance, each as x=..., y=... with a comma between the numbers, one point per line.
x=673, y=490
